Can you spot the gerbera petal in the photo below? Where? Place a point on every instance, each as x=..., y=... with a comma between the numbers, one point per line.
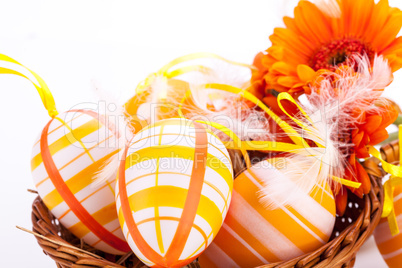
x=352, y=160
x=272, y=102
x=366, y=139
x=361, y=16
x=305, y=73
x=257, y=89
x=350, y=14
x=257, y=60
x=356, y=139
x=267, y=61
x=372, y=123
x=395, y=62
x=389, y=32
x=341, y=201
x=378, y=136
x=277, y=87
x=318, y=30
x=342, y=22
x=307, y=89
x=308, y=34
x=363, y=178
x=389, y=115
x=287, y=81
x=358, y=191
x=291, y=40
x=362, y=151
x=281, y=67
x=351, y=174
x=396, y=45
x=359, y=114
x=377, y=21
x=276, y=52
x=290, y=24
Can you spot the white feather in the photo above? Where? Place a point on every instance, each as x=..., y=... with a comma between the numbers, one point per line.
x=159, y=92
x=330, y=113
x=306, y=168
x=361, y=90
x=115, y=118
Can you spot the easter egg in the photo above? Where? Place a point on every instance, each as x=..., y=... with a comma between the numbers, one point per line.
x=253, y=235
x=174, y=189
x=390, y=246
x=71, y=148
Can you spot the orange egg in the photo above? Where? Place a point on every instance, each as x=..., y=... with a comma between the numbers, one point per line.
x=391, y=246
x=253, y=235
x=158, y=101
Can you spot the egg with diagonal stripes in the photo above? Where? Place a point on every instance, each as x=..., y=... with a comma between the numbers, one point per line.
x=173, y=191
x=390, y=246
x=254, y=235
x=72, y=147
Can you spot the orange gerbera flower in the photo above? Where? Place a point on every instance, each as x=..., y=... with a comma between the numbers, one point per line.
x=315, y=40
x=371, y=131
x=362, y=117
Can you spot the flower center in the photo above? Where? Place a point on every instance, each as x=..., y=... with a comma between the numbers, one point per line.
x=338, y=52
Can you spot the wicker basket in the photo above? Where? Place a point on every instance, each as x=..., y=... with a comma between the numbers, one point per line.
x=351, y=231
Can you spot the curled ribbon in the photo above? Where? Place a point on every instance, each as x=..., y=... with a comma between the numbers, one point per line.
x=389, y=186
x=286, y=96
x=300, y=143
x=231, y=135
x=42, y=88
x=167, y=73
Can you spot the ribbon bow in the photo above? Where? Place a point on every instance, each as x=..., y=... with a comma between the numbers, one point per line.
x=300, y=143
x=389, y=186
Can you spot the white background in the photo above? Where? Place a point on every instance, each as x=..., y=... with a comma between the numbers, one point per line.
x=114, y=44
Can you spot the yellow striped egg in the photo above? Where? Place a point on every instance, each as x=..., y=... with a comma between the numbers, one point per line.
x=71, y=148
x=253, y=235
x=174, y=189
x=391, y=246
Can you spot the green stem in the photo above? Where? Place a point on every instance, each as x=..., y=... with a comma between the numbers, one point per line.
x=398, y=120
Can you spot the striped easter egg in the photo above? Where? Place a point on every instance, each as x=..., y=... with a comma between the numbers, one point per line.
x=174, y=189
x=71, y=148
x=253, y=235
x=391, y=246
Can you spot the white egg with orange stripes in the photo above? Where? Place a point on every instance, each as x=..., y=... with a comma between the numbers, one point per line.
x=253, y=234
x=390, y=246
x=72, y=147
x=174, y=189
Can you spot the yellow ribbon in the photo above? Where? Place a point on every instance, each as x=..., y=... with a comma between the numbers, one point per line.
x=167, y=73
x=231, y=135
x=293, y=134
x=287, y=96
x=300, y=144
x=201, y=55
x=42, y=88
x=389, y=186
